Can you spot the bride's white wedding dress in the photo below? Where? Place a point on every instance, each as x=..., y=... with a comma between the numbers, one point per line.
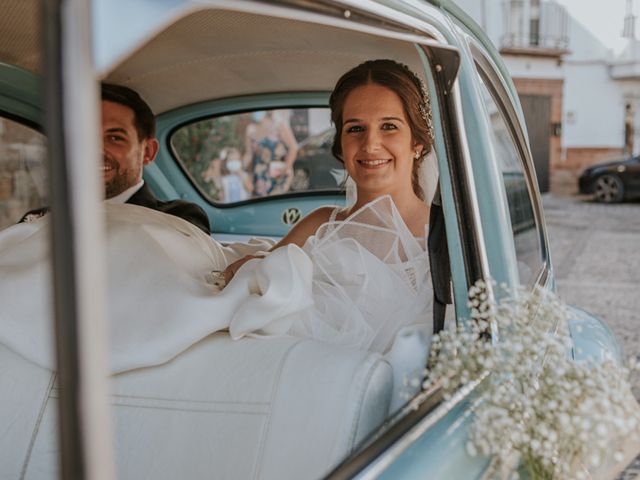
x=357, y=282
x=370, y=279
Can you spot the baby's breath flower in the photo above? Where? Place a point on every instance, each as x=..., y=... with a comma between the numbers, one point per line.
x=561, y=416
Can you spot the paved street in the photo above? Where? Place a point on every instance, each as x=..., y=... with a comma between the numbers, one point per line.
x=596, y=254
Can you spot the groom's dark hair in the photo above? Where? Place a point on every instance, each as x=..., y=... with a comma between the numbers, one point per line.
x=143, y=118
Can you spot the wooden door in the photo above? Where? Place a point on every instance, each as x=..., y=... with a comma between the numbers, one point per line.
x=537, y=114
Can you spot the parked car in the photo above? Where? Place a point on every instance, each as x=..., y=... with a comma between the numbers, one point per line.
x=255, y=408
x=612, y=182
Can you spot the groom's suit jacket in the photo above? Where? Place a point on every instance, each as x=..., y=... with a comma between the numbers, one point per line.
x=180, y=208
x=145, y=198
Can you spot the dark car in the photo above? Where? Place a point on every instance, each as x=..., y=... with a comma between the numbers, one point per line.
x=612, y=181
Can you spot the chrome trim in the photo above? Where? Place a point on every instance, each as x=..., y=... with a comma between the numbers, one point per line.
x=479, y=250
x=471, y=186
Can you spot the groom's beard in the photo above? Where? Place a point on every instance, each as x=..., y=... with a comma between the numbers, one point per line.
x=117, y=178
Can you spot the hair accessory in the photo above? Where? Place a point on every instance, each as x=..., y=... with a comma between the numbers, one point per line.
x=425, y=103
x=425, y=107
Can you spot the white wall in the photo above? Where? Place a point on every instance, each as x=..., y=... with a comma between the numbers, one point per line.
x=593, y=107
x=494, y=26
x=534, y=67
x=593, y=103
x=493, y=19
x=583, y=45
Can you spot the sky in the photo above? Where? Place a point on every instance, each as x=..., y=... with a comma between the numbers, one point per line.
x=603, y=18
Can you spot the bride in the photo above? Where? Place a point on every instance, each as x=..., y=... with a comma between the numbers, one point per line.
x=370, y=266
x=355, y=276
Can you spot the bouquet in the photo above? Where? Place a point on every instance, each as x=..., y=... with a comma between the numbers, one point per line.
x=561, y=418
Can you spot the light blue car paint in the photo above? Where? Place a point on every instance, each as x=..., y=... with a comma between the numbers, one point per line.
x=441, y=452
x=592, y=339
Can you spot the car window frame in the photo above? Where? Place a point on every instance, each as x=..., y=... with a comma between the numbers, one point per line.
x=250, y=104
x=493, y=81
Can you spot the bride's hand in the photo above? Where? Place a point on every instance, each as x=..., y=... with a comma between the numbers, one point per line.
x=232, y=268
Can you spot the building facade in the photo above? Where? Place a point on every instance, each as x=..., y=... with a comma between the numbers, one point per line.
x=581, y=102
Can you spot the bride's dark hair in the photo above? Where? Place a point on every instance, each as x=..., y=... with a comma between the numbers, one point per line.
x=401, y=80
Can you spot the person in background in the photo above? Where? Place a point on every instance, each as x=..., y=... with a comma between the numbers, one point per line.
x=271, y=150
x=236, y=184
x=128, y=144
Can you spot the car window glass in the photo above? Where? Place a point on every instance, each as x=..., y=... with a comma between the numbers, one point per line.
x=22, y=171
x=525, y=232
x=249, y=155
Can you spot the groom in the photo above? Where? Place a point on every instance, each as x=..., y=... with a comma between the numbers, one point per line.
x=129, y=143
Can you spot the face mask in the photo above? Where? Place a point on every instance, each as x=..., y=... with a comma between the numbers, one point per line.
x=258, y=116
x=234, y=165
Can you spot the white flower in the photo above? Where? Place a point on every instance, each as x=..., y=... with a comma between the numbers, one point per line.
x=602, y=429
x=537, y=401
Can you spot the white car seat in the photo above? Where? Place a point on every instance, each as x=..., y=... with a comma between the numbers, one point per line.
x=280, y=408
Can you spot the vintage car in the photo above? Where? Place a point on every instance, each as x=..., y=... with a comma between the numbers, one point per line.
x=612, y=182
x=280, y=408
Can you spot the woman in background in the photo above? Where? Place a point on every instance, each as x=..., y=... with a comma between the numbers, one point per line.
x=270, y=149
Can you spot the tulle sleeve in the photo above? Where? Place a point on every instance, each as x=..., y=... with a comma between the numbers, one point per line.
x=370, y=279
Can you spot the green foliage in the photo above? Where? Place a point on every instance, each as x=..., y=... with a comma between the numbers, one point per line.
x=196, y=145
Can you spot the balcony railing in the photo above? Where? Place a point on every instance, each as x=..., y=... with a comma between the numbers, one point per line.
x=541, y=29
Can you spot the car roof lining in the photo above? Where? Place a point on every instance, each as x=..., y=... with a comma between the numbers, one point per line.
x=21, y=42
x=214, y=53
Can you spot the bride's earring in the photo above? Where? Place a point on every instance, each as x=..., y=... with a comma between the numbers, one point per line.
x=417, y=155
